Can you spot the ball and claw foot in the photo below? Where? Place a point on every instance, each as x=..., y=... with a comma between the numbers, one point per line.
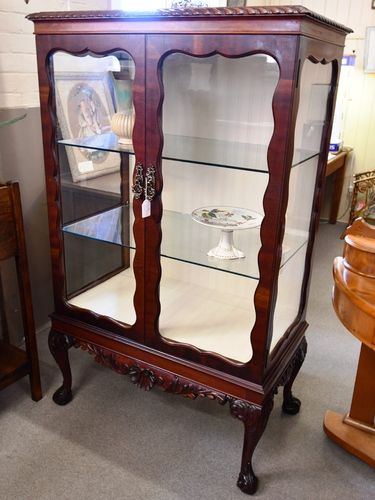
x=291, y=405
x=62, y=396
x=248, y=483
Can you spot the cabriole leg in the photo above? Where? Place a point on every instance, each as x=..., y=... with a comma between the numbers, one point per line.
x=59, y=345
x=291, y=404
x=255, y=420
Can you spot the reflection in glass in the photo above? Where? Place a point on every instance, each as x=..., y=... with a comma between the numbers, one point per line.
x=122, y=122
x=217, y=112
x=216, y=102
x=95, y=171
x=315, y=85
x=197, y=150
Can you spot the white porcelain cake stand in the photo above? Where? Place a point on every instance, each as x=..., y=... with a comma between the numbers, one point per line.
x=228, y=220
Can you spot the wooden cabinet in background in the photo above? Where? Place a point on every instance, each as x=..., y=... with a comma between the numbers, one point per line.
x=233, y=112
x=336, y=166
x=15, y=362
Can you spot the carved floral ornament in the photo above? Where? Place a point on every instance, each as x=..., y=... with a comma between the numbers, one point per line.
x=146, y=377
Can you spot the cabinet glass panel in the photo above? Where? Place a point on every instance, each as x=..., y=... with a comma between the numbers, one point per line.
x=217, y=124
x=92, y=96
x=315, y=85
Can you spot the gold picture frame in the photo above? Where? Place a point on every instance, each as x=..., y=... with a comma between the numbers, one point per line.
x=84, y=106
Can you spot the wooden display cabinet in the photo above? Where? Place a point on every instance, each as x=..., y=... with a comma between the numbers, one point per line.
x=233, y=112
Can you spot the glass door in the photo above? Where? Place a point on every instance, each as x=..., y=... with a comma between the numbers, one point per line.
x=217, y=123
x=315, y=91
x=94, y=98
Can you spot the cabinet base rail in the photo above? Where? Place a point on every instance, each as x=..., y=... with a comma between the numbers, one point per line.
x=253, y=416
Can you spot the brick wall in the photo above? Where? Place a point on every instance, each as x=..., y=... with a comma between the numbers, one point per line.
x=21, y=153
x=18, y=78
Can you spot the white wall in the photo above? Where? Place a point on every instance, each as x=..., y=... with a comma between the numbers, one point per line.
x=359, y=126
x=21, y=152
x=18, y=78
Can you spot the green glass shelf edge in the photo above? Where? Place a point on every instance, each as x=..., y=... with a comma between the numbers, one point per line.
x=10, y=121
x=183, y=239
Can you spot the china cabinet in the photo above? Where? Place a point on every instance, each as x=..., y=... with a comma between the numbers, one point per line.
x=182, y=256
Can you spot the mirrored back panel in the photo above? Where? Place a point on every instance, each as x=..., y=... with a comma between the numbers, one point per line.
x=315, y=85
x=217, y=125
x=95, y=119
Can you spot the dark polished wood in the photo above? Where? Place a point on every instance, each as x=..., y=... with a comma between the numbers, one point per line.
x=255, y=419
x=272, y=232
x=147, y=375
x=14, y=362
x=59, y=346
x=139, y=350
x=291, y=404
x=281, y=20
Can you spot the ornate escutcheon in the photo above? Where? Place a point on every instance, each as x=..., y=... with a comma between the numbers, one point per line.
x=150, y=183
x=138, y=181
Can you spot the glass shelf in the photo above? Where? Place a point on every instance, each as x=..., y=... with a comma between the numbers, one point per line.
x=183, y=239
x=101, y=142
x=112, y=226
x=237, y=155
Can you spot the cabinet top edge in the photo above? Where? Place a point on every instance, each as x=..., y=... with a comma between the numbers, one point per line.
x=292, y=11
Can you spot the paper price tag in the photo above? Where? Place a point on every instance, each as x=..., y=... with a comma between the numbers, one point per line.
x=146, y=209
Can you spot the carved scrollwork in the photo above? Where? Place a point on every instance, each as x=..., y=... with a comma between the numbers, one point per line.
x=137, y=187
x=248, y=412
x=150, y=183
x=254, y=418
x=193, y=391
x=59, y=345
x=291, y=404
x=142, y=377
x=146, y=378
x=59, y=342
x=296, y=360
x=242, y=410
x=247, y=11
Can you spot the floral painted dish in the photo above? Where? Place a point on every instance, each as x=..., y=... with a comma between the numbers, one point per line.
x=229, y=218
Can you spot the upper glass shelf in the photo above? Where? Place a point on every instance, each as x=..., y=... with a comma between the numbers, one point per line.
x=102, y=142
x=184, y=239
x=237, y=155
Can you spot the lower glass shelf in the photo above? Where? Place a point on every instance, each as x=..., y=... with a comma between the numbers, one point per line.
x=184, y=239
